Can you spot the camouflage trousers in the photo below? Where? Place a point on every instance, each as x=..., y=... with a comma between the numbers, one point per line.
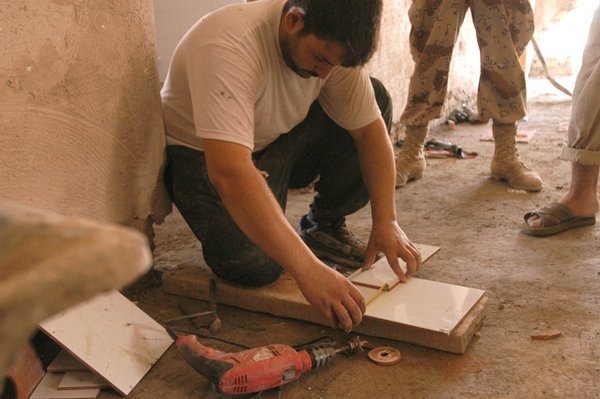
x=503, y=27
x=583, y=144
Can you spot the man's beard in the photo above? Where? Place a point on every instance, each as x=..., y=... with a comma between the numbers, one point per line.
x=287, y=50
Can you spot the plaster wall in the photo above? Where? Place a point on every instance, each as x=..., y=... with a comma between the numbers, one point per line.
x=80, y=122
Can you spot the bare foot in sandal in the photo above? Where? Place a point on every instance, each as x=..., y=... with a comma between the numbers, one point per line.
x=575, y=209
x=575, y=205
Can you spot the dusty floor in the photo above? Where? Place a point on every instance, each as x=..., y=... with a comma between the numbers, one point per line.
x=533, y=284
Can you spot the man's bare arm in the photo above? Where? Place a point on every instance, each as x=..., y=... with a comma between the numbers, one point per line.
x=379, y=172
x=252, y=205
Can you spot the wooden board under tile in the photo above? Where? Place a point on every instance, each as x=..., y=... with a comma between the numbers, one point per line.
x=112, y=337
x=283, y=298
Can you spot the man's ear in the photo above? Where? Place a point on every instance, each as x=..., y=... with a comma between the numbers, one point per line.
x=294, y=19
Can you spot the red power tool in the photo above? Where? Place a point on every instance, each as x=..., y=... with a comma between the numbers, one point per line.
x=256, y=369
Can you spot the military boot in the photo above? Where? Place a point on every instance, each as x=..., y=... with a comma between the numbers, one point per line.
x=506, y=164
x=410, y=161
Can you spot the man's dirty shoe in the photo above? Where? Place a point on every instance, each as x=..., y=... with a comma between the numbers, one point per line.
x=332, y=241
x=409, y=166
x=517, y=174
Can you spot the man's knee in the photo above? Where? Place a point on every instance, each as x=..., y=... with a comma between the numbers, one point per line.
x=252, y=269
x=384, y=101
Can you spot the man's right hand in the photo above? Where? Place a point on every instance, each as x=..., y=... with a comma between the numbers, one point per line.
x=332, y=294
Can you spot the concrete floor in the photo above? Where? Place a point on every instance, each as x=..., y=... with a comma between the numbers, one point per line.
x=533, y=284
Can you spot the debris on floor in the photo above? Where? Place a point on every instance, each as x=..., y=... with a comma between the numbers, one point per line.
x=523, y=135
x=385, y=356
x=464, y=114
x=442, y=148
x=545, y=335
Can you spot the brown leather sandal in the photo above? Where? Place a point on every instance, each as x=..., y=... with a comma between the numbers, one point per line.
x=555, y=218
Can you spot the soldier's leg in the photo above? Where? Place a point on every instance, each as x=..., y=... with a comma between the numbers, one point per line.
x=503, y=30
x=434, y=30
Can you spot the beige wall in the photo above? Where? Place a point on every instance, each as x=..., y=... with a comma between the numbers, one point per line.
x=80, y=124
x=172, y=19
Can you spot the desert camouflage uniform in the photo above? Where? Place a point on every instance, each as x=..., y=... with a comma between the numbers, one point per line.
x=504, y=27
x=583, y=145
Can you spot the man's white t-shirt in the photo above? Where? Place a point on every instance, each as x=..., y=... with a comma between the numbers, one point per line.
x=228, y=81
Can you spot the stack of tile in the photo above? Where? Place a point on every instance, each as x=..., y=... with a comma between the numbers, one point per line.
x=67, y=378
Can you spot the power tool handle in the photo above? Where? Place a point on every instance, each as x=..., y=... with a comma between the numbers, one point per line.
x=210, y=363
x=248, y=371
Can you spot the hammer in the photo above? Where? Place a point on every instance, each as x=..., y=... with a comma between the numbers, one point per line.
x=215, y=324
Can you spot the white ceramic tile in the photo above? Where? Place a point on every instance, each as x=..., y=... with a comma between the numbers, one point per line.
x=421, y=303
x=369, y=293
x=426, y=304
x=381, y=274
x=48, y=389
x=112, y=337
x=65, y=362
x=81, y=380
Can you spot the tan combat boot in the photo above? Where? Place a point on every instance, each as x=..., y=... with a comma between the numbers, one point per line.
x=410, y=162
x=506, y=164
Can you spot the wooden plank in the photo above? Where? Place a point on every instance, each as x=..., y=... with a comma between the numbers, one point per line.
x=283, y=298
x=112, y=337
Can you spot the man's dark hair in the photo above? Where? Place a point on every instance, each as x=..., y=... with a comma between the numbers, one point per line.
x=351, y=23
